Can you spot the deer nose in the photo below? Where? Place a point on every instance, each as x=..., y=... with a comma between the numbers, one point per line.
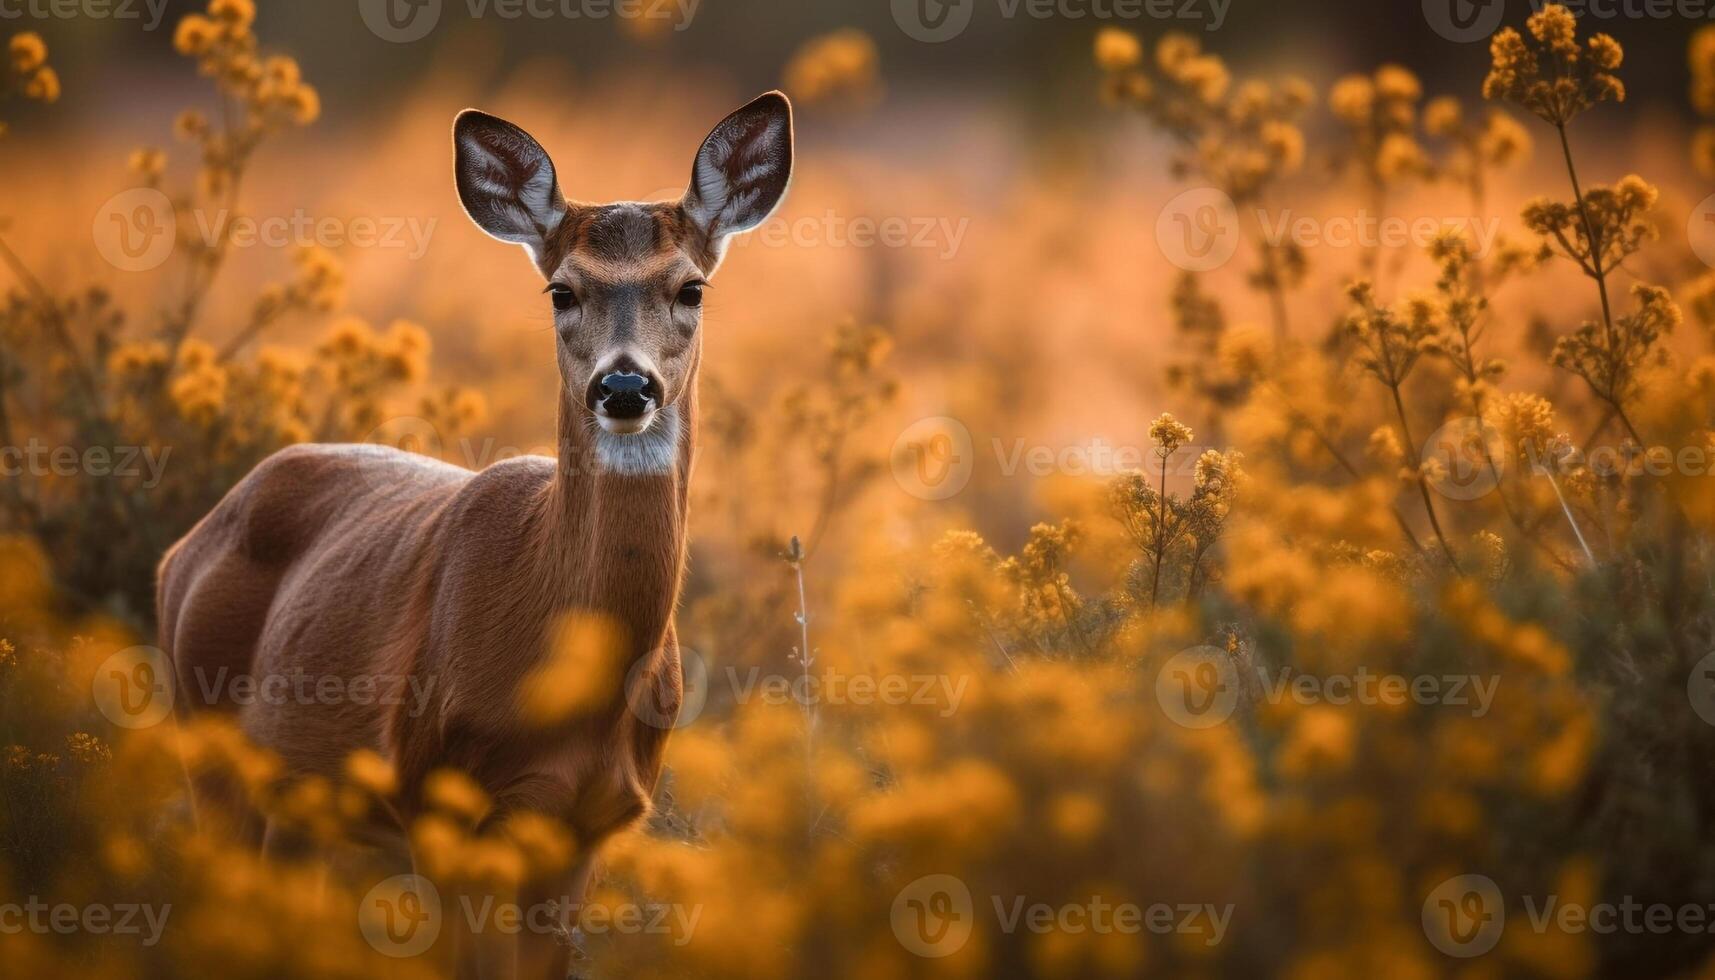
x=626, y=394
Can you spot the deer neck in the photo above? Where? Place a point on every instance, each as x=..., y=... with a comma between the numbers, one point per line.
x=612, y=526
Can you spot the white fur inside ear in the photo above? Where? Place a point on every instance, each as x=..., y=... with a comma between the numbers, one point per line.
x=512, y=186
x=651, y=452
x=725, y=204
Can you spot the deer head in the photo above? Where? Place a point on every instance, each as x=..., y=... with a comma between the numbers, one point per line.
x=626, y=280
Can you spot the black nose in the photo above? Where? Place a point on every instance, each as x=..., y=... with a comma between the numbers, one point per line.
x=626, y=394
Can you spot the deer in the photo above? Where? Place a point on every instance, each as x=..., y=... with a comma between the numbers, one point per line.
x=362, y=560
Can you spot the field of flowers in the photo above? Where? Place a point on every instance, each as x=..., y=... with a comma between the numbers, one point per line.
x=1090, y=606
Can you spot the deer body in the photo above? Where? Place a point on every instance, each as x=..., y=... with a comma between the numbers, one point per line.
x=445, y=586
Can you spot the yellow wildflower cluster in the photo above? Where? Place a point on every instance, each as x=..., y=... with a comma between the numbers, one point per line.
x=1244, y=662
x=269, y=89
x=1552, y=75
x=1238, y=137
x=1380, y=113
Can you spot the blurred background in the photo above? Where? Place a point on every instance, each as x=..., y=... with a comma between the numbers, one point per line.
x=978, y=271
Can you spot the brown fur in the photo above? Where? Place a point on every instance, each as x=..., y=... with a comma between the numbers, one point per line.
x=362, y=561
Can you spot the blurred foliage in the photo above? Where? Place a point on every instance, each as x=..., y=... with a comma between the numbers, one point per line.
x=1040, y=762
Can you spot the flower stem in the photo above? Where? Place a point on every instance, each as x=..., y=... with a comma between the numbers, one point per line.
x=1422, y=484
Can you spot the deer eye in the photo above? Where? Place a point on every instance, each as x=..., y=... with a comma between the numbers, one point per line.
x=563, y=297
x=691, y=294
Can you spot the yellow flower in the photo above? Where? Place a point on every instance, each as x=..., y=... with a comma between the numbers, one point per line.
x=1703, y=71
x=454, y=792
x=1443, y=116
x=1352, y=98
x=28, y=52
x=43, y=86
x=147, y=163
x=238, y=13
x=195, y=35
x=1169, y=433
x=190, y=125
x=1117, y=49
x=368, y=769
x=306, y=104
x=1573, y=79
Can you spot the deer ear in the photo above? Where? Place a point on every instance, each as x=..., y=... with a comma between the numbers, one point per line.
x=742, y=170
x=506, y=181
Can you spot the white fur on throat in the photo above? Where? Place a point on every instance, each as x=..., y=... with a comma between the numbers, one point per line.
x=650, y=452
